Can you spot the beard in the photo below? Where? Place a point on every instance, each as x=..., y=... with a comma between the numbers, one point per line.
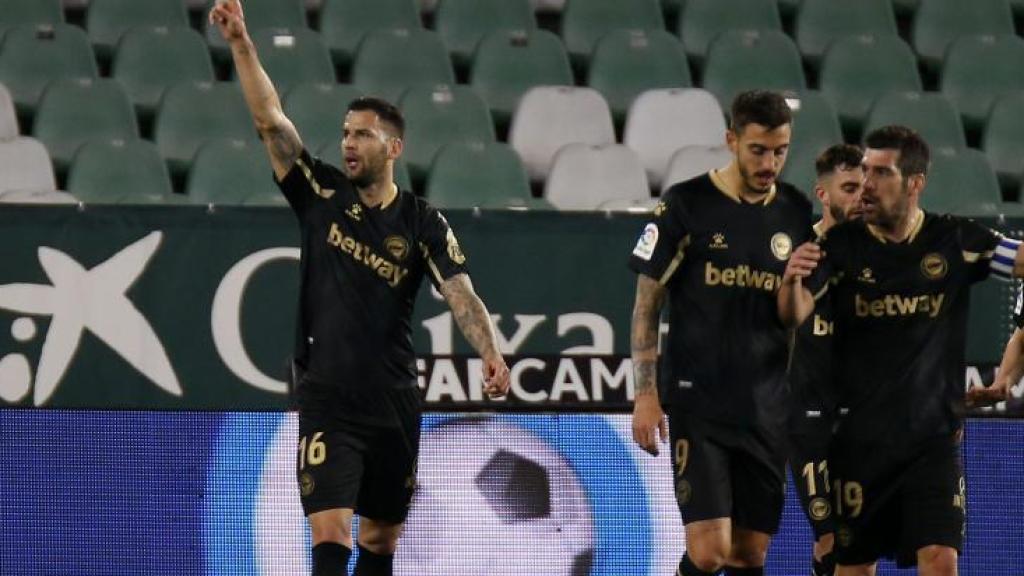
x=371, y=173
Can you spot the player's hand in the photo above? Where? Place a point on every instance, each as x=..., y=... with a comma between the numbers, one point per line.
x=980, y=396
x=649, y=425
x=228, y=17
x=496, y=378
x=802, y=262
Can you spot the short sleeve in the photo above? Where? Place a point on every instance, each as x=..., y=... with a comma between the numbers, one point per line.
x=662, y=244
x=304, y=183
x=986, y=251
x=440, y=247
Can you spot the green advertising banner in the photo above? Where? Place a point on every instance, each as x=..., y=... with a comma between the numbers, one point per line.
x=194, y=308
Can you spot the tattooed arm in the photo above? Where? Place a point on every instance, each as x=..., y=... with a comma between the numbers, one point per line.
x=278, y=132
x=648, y=418
x=475, y=323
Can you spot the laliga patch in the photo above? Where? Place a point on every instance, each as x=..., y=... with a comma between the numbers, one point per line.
x=648, y=240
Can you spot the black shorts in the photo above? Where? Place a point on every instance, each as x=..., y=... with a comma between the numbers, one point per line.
x=722, y=471
x=892, y=507
x=343, y=462
x=808, y=463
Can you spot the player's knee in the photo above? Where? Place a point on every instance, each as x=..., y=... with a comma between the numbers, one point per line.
x=748, y=556
x=331, y=527
x=937, y=561
x=708, y=558
x=378, y=537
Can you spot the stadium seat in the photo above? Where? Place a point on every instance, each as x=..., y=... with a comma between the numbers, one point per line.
x=73, y=111
x=961, y=182
x=693, y=160
x=628, y=62
x=887, y=60
x=259, y=14
x=1003, y=139
x=905, y=7
x=663, y=121
x=979, y=69
x=821, y=22
x=120, y=172
x=584, y=22
x=390, y=61
x=30, y=57
x=583, y=177
x=150, y=60
x=330, y=153
x=107, y=20
x=194, y=112
x=344, y=23
x=507, y=64
x=930, y=114
x=703, y=20
x=439, y=115
x=26, y=165
x=37, y=197
x=937, y=23
x=742, y=60
x=8, y=116
x=468, y=175
x=232, y=172
x=318, y=111
x=549, y=117
x=292, y=57
x=463, y=23
x=815, y=127
x=30, y=13
x=544, y=6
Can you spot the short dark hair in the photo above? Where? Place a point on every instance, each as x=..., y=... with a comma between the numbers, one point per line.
x=914, y=155
x=837, y=156
x=386, y=111
x=764, y=107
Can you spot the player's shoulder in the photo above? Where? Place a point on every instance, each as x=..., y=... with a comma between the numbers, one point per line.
x=845, y=231
x=695, y=189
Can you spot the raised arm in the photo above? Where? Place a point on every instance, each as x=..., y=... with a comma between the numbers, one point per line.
x=277, y=131
x=475, y=323
x=648, y=418
x=795, y=301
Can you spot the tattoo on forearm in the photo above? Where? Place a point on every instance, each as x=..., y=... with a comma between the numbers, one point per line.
x=285, y=146
x=646, y=312
x=470, y=315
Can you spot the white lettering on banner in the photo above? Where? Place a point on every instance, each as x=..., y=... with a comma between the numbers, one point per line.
x=568, y=381
x=444, y=383
x=599, y=326
x=225, y=318
x=516, y=374
x=440, y=329
x=525, y=325
x=600, y=377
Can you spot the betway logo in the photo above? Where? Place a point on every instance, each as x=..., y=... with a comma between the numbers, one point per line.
x=80, y=300
x=364, y=255
x=742, y=276
x=894, y=305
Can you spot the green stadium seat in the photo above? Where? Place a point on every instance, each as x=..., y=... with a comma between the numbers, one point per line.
x=586, y=177
x=26, y=165
x=390, y=61
x=232, y=172
x=194, y=112
x=292, y=57
x=932, y=115
x=107, y=20
x=30, y=57
x=694, y=160
x=259, y=14
x=330, y=153
x=463, y=23
x=961, y=182
x=74, y=111
x=507, y=64
x=584, y=22
x=979, y=69
x=439, y=115
x=703, y=20
x=120, y=172
x=741, y=60
x=344, y=23
x=30, y=13
x=815, y=127
x=626, y=63
x=821, y=22
x=318, y=111
x=150, y=60
x=8, y=116
x=1003, y=139
x=887, y=60
x=937, y=23
x=485, y=175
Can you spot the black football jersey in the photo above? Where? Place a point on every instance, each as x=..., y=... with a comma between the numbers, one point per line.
x=361, y=268
x=721, y=260
x=900, y=317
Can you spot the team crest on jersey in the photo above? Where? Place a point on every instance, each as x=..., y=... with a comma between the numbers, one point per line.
x=867, y=276
x=718, y=242
x=306, y=484
x=819, y=508
x=454, y=251
x=782, y=245
x=683, y=492
x=397, y=247
x=648, y=240
x=934, y=266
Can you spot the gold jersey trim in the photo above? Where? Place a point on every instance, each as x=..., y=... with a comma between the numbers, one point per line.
x=723, y=187
x=676, y=260
x=915, y=228
x=308, y=173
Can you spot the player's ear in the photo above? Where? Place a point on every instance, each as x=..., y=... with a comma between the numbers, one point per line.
x=395, y=147
x=915, y=183
x=731, y=140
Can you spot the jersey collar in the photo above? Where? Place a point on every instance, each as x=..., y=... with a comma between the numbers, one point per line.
x=723, y=187
x=914, y=229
